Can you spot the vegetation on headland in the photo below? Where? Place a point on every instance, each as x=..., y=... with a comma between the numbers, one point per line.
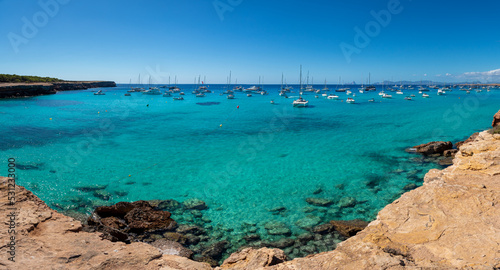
x=7, y=78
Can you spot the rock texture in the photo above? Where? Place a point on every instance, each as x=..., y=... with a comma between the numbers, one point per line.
x=451, y=222
x=432, y=148
x=12, y=90
x=46, y=239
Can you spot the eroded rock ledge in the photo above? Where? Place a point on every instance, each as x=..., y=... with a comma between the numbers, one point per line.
x=451, y=222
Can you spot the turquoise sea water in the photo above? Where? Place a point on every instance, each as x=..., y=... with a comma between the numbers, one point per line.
x=262, y=157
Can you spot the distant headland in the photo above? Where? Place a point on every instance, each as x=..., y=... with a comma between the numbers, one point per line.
x=12, y=86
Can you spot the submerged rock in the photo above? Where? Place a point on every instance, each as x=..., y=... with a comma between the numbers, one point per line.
x=216, y=250
x=282, y=243
x=277, y=228
x=168, y=205
x=347, y=202
x=308, y=222
x=102, y=194
x=91, y=188
x=194, y=203
x=319, y=201
x=323, y=228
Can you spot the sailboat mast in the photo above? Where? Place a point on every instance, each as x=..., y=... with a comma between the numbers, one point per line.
x=300, y=91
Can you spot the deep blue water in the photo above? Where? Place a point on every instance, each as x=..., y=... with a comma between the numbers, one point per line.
x=240, y=161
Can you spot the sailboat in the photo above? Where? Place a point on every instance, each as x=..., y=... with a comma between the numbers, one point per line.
x=300, y=102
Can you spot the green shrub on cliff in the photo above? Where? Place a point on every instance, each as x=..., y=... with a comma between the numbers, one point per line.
x=7, y=78
x=495, y=130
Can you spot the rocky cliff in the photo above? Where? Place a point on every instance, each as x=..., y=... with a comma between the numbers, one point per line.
x=451, y=222
x=10, y=90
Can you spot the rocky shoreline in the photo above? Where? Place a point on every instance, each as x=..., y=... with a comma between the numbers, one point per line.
x=451, y=222
x=16, y=90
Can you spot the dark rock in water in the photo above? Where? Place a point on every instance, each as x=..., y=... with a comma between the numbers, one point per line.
x=410, y=186
x=176, y=237
x=347, y=202
x=146, y=219
x=450, y=153
x=277, y=209
x=168, y=205
x=307, y=250
x=28, y=167
x=433, y=148
x=207, y=103
x=91, y=188
x=102, y=194
x=308, y=222
x=118, y=210
x=196, y=213
x=308, y=209
x=340, y=186
x=114, y=222
x=192, y=239
x=252, y=237
x=277, y=228
x=305, y=237
x=216, y=250
x=319, y=201
x=349, y=228
x=446, y=161
x=323, y=229
x=282, y=243
x=194, y=203
x=318, y=190
x=168, y=247
x=185, y=229
x=129, y=183
x=121, y=193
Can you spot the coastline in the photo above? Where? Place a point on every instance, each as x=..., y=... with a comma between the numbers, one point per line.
x=17, y=90
x=445, y=224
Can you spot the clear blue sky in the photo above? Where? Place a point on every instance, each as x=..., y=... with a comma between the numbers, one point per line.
x=119, y=39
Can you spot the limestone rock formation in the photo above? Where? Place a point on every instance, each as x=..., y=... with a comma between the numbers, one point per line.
x=496, y=119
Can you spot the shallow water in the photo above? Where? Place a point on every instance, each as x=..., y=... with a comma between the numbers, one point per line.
x=240, y=161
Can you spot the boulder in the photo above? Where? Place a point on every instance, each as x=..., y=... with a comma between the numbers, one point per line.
x=146, y=219
x=349, y=228
x=168, y=205
x=176, y=237
x=194, y=203
x=249, y=259
x=496, y=119
x=319, y=201
x=433, y=148
x=168, y=247
x=190, y=229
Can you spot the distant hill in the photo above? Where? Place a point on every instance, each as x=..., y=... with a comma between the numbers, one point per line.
x=8, y=78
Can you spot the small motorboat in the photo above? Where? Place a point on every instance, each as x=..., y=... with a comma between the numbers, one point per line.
x=371, y=100
x=332, y=97
x=300, y=102
x=425, y=95
x=127, y=94
x=386, y=96
x=350, y=100
x=230, y=96
x=200, y=95
x=99, y=93
x=407, y=98
x=249, y=95
x=178, y=98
